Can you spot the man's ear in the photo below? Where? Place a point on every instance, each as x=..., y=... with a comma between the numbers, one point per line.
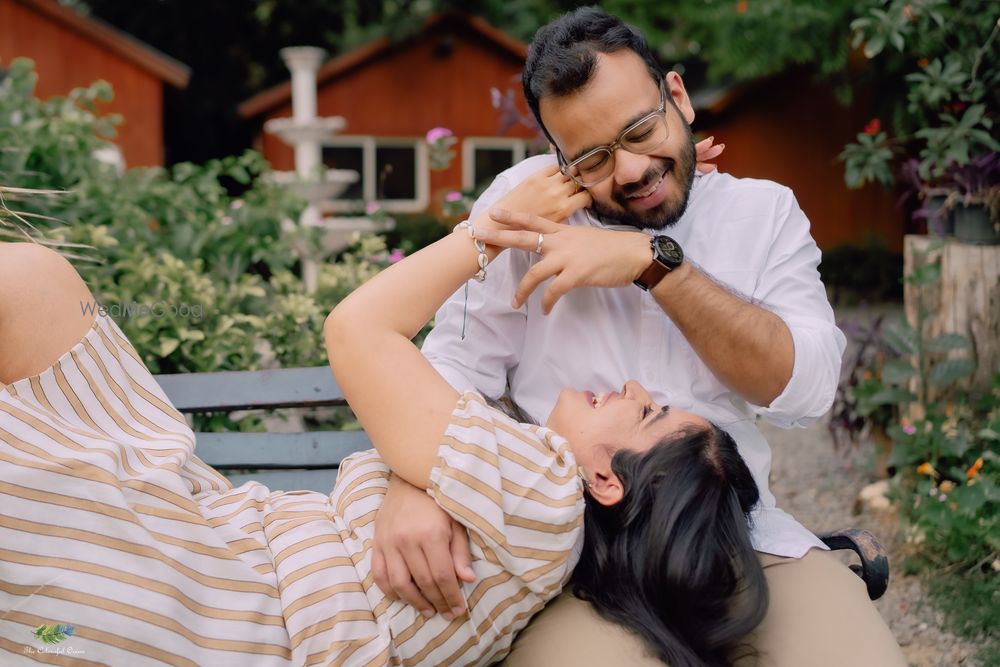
x=606, y=488
x=677, y=92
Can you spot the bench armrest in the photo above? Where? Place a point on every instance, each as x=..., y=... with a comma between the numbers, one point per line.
x=874, y=568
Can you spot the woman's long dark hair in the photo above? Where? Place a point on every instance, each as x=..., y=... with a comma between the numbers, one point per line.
x=672, y=561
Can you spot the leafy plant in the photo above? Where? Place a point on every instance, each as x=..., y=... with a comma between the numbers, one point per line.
x=53, y=634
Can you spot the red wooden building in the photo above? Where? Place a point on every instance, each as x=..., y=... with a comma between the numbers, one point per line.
x=71, y=50
x=391, y=93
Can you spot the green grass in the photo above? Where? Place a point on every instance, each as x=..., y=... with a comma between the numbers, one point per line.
x=971, y=605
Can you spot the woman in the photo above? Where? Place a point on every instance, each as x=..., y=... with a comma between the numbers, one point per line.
x=113, y=530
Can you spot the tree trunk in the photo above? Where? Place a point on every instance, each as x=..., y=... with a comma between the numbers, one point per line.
x=965, y=300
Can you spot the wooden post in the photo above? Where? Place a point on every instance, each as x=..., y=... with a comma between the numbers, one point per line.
x=966, y=299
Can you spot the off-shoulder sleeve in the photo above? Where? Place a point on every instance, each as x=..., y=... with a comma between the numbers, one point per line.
x=515, y=488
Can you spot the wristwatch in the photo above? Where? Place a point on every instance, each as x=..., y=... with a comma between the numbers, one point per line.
x=667, y=256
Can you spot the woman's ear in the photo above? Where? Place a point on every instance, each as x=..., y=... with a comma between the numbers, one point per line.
x=606, y=488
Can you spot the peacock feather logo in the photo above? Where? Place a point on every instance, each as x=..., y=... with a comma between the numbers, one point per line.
x=53, y=634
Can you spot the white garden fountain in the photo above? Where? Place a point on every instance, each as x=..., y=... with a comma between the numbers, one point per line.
x=306, y=133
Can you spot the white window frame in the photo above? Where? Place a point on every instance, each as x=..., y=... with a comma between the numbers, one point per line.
x=369, y=177
x=517, y=146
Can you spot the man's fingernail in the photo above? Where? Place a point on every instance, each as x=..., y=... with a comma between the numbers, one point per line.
x=458, y=611
x=722, y=145
x=447, y=616
x=499, y=213
x=712, y=138
x=427, y=613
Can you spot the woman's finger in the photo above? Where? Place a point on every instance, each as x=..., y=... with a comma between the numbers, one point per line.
x=421, y=571
x=403, y=586
x=508, y=238
x=525, y=221
x=381, y=574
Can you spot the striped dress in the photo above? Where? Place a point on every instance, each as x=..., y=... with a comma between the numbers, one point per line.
x=118, y=546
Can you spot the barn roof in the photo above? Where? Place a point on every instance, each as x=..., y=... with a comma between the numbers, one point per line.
x=128, y=47
x=282, y=93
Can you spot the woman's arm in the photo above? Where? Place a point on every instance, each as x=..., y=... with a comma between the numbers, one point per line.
x=399, y=398
x=402, y=402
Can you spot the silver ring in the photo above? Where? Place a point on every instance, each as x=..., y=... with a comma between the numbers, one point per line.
x=538, y=246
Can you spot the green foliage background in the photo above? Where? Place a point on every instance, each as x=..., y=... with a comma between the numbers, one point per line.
x=222, y=265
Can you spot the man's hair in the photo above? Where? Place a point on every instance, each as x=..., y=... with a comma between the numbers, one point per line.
x=563, y=55
x=673, y=561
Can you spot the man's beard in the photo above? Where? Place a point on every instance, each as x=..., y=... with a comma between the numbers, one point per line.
x=667, y=212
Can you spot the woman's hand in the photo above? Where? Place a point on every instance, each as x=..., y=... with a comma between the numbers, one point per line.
x=575, y=256
x=546, y=193
x=705, y=151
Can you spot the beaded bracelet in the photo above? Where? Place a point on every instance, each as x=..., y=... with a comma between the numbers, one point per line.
x=480, y=246
x=480, y=275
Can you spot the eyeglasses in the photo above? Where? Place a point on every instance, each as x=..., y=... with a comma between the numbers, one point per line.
x=642, y=137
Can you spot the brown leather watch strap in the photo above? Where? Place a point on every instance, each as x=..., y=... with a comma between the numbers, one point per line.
x=652, y=276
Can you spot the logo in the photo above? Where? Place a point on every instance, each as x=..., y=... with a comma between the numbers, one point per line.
x=53, y=634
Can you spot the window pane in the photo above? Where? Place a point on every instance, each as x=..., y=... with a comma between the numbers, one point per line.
x=491, y=161
x=347, y=157
x=396, y=171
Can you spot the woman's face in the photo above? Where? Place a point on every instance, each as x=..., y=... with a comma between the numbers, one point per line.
x=598, y=425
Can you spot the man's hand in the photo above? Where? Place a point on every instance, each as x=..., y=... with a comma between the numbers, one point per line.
x=575, y=256
x=420, y=552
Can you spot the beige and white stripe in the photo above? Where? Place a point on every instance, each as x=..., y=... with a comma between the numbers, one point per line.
x=111, y=524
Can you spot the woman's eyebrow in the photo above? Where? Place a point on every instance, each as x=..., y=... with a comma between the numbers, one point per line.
x=664, y=411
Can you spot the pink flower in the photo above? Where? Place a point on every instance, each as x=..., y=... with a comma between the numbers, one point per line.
x=873, y=127
x=372, y=207
x=396, y=255
x=438, y=133
x=909, y=429
x=236, y=205
x=453, y=196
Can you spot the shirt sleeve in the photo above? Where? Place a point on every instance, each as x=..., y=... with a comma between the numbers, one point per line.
x=493, y=331
x=516, y=489
x=791, y=287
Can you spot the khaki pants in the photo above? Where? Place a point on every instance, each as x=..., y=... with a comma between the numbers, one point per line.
x=819, y=615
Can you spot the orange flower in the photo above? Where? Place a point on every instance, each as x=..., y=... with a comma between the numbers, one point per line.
x=974, y=468
x=873, y=127
x=926, y=469
x=923, y=62
x=947, y=486
x=741, y=7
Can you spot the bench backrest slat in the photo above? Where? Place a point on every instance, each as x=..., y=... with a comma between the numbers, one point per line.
x=281, y=461
x=226, y=391
x=315, y=449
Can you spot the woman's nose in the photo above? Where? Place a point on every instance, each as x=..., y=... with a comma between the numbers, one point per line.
x=635, y=391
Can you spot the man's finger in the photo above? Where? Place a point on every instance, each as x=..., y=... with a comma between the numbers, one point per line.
x=401, y=582
x=556, y=289
x=534, y=276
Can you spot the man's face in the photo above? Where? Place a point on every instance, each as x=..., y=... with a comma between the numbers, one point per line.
x=644, y=191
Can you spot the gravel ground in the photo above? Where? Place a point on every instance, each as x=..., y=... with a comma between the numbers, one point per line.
x=818, y=486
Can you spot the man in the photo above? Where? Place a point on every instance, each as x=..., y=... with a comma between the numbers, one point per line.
x=728, y=318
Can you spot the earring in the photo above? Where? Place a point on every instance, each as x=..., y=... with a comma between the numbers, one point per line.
x=582, y=474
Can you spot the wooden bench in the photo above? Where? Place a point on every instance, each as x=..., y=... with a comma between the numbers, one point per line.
x=309, y=460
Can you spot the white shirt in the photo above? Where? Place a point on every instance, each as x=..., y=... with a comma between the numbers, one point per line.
x=749, y=235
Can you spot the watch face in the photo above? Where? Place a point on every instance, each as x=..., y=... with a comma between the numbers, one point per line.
x=668, y=251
